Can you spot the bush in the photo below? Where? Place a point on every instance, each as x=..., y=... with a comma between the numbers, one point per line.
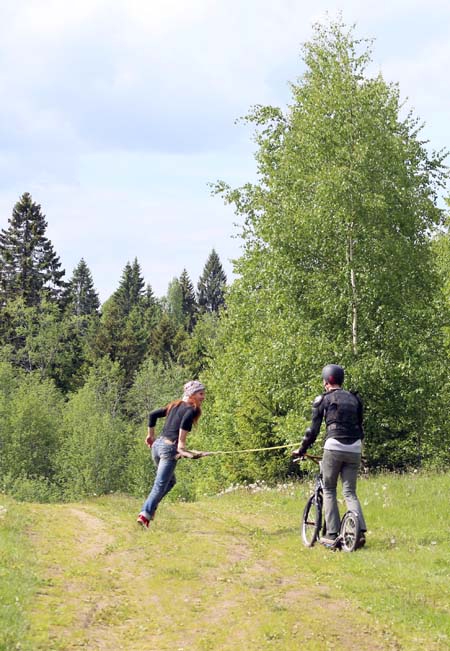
x=30, y=420
x=25, y=489
x=93, y=455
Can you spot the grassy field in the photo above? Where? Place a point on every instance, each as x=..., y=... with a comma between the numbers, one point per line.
x=227, y=572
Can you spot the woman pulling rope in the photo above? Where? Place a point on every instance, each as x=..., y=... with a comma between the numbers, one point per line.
x=180, y=416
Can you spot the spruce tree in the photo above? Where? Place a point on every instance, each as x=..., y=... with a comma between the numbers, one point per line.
x=189, y=304
x=149, y=299
x=163, y=345
x=80, y=296
x=211, y=285
x=29, y=266
x=125, y=324
x=131, y=288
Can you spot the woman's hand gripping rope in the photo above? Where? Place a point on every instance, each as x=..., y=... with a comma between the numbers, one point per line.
x=191, y=454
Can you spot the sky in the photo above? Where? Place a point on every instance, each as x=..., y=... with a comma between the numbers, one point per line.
x=116, y=115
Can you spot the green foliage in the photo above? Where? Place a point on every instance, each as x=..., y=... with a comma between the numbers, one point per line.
x=32, y=334
x=149, y=298
x=155, y=385
x=30, y=422
x=189, y=304
x=134, y=341
x=211, y=285
x=104, y=337
x=174, y=302
x=29, y=266
x=164, y=340
x=196, y=352
x=337, y=265
x=80, y=297
x=131, y=288
x=31, y=489
x=441, y=247
x=93, y=452
x=43, y=339
x=128, y=317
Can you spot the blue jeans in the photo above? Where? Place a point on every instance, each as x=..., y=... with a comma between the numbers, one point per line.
x=345, y=464
x=163, y=454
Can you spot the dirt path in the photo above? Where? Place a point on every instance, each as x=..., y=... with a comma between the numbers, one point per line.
x=215, y=586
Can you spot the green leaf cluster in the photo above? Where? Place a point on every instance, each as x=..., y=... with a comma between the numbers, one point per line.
x=338, y=266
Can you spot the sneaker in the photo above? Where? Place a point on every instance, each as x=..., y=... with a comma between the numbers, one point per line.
x=329, y=540
x=142, y=521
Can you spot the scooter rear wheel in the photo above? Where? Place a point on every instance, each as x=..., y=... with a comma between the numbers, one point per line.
x=350, y=532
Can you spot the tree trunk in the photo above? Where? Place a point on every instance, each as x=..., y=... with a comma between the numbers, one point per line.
x=354, y=293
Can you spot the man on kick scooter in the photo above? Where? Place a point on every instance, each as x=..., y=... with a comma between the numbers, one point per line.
x=343, y=413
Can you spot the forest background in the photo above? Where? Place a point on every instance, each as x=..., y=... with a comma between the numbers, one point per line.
x=346, y=259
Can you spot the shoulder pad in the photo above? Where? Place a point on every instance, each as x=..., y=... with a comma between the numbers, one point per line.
x=318, y=400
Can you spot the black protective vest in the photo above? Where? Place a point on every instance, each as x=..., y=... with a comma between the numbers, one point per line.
x=343, y=416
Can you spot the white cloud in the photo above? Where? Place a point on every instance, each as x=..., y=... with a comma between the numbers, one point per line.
x=116, y=113
x=154, y=76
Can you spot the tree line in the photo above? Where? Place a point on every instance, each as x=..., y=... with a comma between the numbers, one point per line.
x=55, y=326
x=70, y=367
x=346, y=259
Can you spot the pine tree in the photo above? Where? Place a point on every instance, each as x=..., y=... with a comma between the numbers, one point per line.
x=189, y=304
x=211, y=286
x=80, y=296
x=29, y=266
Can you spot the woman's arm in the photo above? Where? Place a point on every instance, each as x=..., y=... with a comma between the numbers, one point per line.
x=153, y=417
x=182, y=445
x=150, y=438
x=183, y=452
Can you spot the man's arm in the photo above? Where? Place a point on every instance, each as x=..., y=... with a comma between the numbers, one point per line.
x=314, y=429
x=360, y=414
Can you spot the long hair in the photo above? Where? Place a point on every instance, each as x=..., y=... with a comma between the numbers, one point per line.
x=190, y=401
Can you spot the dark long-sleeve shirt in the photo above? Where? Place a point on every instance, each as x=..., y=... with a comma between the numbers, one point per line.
x=179, y=417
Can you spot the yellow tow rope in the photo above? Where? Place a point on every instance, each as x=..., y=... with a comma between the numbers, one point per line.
x=274, y=447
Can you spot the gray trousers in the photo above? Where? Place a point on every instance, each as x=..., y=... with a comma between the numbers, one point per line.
x=345, y=464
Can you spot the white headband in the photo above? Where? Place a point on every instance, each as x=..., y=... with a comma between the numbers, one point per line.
x=192, y=387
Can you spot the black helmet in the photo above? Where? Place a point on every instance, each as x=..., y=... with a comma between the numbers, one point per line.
x=333, y=374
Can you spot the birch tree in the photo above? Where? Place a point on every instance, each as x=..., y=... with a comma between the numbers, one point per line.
x=337, y=263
